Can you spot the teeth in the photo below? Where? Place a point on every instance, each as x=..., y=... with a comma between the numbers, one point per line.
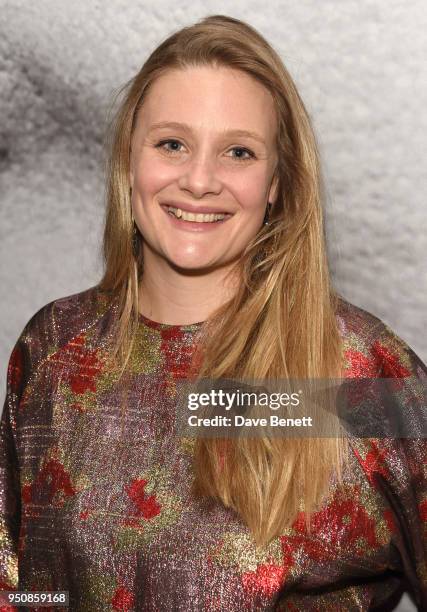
x=197, y=217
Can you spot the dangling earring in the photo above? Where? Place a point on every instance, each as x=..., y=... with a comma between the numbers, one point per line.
x=267, y=214
x=135, y=240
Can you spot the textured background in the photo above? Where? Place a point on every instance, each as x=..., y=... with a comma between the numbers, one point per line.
x=360, y=67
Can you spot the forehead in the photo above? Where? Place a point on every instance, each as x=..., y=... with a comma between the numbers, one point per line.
x=210, y=98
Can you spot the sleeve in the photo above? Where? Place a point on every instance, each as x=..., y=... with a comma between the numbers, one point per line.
x=10, y=497
x=414, y=538
x=397, y=466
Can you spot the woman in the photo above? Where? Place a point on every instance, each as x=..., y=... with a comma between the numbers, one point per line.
x=215, y=267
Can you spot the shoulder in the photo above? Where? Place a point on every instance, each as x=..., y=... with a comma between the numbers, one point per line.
x=66, y=316
x=55, y=324
x=393, y=410
x=371, y=348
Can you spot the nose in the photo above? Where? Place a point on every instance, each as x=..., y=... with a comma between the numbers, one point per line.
x=199, y=176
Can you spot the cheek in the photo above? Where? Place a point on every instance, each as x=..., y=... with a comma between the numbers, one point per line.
x=153, y=175
x=250, y=189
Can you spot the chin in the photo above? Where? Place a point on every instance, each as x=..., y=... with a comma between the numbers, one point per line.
x=189, y=264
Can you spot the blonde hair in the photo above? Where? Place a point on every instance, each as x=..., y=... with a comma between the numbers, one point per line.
x=281, y=323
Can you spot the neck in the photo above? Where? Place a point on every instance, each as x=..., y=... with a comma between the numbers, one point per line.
x=181, y=297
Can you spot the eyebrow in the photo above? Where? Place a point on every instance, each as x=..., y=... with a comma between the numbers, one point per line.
x=187, y=128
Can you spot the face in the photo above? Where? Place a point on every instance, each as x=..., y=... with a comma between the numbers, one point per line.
x=203, y=158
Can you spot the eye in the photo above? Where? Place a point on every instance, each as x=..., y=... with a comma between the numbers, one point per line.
x=174, y=146
x=243, y=154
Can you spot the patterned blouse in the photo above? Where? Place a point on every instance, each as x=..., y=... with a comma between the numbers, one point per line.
x=95, y=490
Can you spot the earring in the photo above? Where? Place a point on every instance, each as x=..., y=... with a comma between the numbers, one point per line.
x=267, y=214
x=135, y=241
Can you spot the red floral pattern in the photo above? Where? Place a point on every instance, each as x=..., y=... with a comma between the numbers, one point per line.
x=49, y=482
x=375, y=461
x=313, y=548
x=122, y=599
x=342, y=523
x=267, y=579
x=15, y=368
x=86, y=365
x=176, y=362
x=380, y=362
x=147, y=507
x=391, y=365
x=359, y=365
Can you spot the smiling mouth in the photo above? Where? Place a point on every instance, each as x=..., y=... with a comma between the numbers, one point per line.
x=197, y=217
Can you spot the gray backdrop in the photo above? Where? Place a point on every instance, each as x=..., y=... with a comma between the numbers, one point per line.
x=360, y=67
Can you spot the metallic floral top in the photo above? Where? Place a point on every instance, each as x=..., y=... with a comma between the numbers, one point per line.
x=96, y=499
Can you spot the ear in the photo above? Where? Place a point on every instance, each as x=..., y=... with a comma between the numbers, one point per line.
x=274, y=189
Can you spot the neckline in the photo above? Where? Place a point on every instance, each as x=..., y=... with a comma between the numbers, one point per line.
x=168, y=326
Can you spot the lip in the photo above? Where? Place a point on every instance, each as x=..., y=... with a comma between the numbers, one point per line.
x=193, y=226
x=207, y=210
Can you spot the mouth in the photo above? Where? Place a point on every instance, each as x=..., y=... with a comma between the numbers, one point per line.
x=183, y=215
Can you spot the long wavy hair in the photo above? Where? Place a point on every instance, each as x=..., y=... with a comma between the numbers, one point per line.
x=281, y=323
